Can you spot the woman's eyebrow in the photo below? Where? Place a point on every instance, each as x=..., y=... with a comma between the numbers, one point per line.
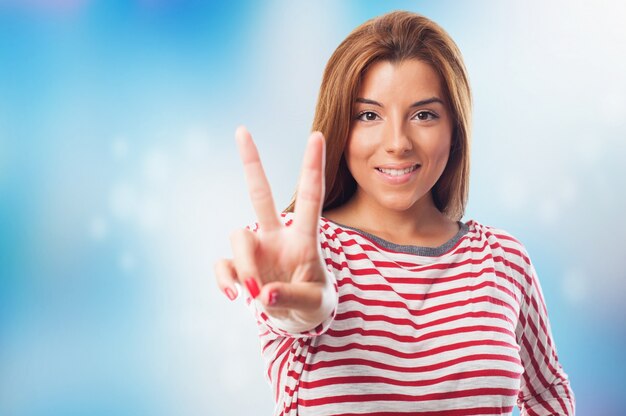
x=428, y=101
x=415, y=104
x=368, y=101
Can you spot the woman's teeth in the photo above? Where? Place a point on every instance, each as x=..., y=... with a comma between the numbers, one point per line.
x=398, y=172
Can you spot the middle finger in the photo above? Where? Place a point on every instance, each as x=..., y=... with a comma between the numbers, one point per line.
x=310, y=194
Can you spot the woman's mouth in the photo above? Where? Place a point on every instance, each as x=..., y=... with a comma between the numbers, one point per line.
x=397, y=176
x=398, y=172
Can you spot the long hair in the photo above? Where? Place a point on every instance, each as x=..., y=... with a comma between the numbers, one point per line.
x=394, y=37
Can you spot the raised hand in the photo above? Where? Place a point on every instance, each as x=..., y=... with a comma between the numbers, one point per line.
x=281, y=266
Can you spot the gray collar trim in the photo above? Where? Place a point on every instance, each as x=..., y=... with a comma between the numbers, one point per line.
x=418, y=250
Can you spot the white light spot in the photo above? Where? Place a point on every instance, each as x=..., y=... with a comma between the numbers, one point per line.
x=150, y=214
x=549, y=211
x=98, y=229
x=589, y=150
x=613, y=108
x=514, y=193
x=123, y=201
x=126, y=262
x=575, y=286
x=156, y=166
x=197, y=148
x=120, y=149
x=568, y=190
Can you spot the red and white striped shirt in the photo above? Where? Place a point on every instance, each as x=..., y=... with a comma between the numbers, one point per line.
x=460, y=329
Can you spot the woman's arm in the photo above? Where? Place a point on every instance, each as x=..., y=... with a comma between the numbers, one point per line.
x=545, y=388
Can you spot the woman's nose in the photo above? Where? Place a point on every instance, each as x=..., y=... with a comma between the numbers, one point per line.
x=397, y=141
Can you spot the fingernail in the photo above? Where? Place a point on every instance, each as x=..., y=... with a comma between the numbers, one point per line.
x=253, y=288
x=272, y=298
x=230, y=293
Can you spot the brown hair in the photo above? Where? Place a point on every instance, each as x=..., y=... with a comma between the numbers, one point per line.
x=394, y=37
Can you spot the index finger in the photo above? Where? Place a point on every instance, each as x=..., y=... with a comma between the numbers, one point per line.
x=258, y=186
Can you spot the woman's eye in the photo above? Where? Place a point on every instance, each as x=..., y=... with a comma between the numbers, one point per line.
x=367, y=116
x=426, y=115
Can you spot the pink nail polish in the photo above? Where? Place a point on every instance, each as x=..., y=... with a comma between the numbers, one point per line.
x=230, y=293
x=253, y=288
x=272, y=298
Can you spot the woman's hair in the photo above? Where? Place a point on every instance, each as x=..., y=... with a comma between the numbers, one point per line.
x=394, y=37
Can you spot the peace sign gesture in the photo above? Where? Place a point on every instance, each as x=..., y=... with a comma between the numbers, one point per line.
x=282, y=266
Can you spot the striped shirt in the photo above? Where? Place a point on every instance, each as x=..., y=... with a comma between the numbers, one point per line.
x=460, y=329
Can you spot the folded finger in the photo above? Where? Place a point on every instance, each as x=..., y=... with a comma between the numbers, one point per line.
x=244, y=244
x=258, y=186
x=226, y=277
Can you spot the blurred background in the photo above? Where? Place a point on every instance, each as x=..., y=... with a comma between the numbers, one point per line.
x=120, y=184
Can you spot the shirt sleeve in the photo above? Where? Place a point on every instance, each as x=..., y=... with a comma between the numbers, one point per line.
x=272, y=328
x=545, y=388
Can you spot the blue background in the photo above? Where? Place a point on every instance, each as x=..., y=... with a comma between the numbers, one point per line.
x=120, y=183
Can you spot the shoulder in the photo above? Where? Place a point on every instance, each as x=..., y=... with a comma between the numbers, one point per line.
x=508, y=254
x=500, y=240
x=330, y=231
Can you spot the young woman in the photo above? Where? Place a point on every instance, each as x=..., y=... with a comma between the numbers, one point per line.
x=387, y=303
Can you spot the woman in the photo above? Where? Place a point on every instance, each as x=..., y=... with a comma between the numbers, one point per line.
x=388, y=303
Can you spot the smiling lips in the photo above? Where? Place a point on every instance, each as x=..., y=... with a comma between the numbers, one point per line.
x=397, y=175
x=398, y=172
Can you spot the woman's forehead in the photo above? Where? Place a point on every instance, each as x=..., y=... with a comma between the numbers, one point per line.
x=408, y=78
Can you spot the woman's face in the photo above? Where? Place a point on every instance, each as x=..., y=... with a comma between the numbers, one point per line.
x=400, y=136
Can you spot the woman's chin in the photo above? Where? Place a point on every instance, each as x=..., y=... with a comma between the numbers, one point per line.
x=398, y=204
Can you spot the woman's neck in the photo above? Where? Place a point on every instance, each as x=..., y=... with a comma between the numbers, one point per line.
x=422, y=224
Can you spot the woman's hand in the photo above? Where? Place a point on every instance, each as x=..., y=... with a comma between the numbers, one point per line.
x=282, y=266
